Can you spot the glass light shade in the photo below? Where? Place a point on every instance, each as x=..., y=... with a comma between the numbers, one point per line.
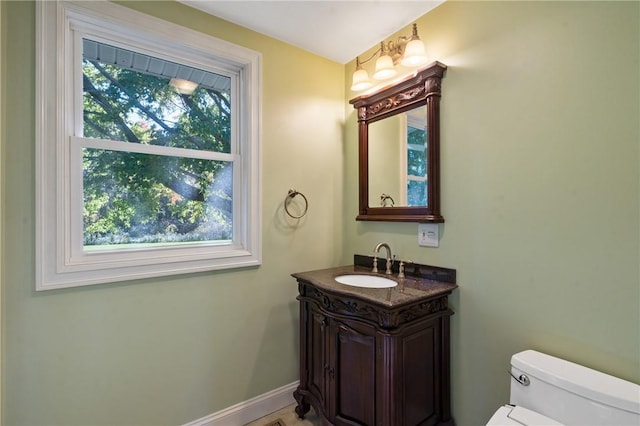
x=360, y=80
x=184, y=87
x=414, y=53
x=384, y=68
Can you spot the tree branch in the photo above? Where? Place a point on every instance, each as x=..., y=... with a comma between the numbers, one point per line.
x=108, y=108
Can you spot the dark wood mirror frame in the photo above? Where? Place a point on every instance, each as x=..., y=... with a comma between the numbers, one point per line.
x=422, y=88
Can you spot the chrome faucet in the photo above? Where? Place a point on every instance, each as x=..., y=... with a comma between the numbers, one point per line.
x=375, y=258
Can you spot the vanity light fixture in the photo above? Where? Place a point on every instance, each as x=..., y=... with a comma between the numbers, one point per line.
x=409, y=52
x=360, y=80
x=414, y=54
x=384, y=65
x=184, y=87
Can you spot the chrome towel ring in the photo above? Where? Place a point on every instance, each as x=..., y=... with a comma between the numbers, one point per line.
x=290, y=196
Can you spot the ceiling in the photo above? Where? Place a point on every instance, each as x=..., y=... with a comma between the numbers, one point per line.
x=337, y=30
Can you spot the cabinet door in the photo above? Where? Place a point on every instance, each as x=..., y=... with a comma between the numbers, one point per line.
x=351, y=374
x=421, y=366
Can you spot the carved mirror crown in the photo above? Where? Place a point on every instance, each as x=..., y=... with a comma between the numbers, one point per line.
x=415, y=195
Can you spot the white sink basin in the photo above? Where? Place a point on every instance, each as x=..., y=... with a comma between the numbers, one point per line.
x=368, y=281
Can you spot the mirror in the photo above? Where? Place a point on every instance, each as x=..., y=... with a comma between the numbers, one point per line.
x=400, y=178
x=399, y=149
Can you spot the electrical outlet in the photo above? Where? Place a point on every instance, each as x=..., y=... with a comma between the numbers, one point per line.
x=428, y=235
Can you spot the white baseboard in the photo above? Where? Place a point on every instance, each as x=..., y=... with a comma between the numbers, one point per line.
x=250, y=410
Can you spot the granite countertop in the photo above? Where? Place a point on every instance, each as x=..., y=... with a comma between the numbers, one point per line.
x=409, y=289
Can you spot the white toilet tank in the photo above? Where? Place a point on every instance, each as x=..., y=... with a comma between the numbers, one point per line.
x=572, y=394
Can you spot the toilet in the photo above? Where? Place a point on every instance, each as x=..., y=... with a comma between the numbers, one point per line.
x=551, y=391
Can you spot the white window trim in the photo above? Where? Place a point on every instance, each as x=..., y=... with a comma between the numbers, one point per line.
x=403, y=138
x=59, y=264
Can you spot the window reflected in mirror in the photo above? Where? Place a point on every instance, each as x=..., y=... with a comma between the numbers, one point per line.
x=416, y=154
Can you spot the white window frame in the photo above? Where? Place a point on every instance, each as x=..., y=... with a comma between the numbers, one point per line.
x=60, y=260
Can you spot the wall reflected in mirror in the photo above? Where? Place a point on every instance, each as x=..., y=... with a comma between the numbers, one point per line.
x=398, y=160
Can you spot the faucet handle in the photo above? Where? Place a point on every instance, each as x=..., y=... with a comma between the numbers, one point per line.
x=401, y=268
x=375, y=264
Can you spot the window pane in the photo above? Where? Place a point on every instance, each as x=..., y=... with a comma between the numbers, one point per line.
x=133, y=97
x=416, y=193
x=416, y=152
x=131, y=198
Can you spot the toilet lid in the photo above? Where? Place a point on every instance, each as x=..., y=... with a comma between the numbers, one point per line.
x=515, y=415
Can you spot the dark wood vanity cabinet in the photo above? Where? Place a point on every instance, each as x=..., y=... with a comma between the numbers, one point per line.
x=368, y=364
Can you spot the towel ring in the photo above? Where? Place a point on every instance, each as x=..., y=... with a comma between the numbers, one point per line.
x=290, y=196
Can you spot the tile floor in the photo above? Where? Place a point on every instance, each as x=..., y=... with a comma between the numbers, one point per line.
x=289, y=417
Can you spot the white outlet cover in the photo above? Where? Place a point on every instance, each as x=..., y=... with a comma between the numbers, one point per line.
x=428, y=235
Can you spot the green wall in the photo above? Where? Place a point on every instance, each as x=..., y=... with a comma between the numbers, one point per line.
x=540, y=188
x=171, y=350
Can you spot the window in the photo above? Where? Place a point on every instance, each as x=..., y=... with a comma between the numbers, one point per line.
x=147, y=148
x=416, y=164
x=414, y=157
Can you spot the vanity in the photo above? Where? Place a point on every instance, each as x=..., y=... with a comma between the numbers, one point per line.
x=375, y=356
x=374, y=346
